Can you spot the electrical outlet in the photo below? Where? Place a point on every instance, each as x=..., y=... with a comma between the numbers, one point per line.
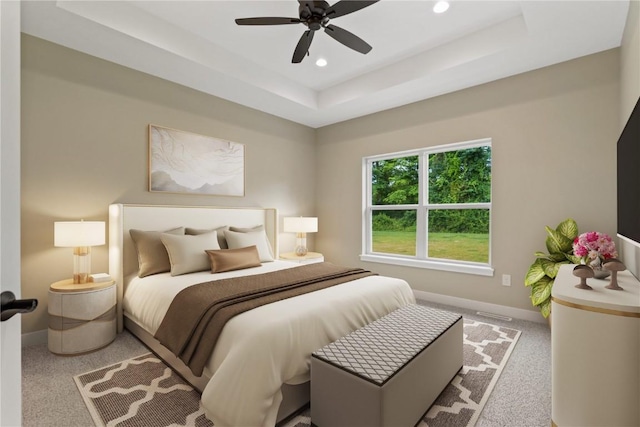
x=506, y=280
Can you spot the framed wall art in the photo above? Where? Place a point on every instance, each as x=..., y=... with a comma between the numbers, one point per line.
x=185, y=162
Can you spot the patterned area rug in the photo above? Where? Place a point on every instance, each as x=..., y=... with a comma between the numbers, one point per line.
x=143, y=391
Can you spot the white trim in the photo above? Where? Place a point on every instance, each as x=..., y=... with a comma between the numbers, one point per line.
x=422, y=250
x=456, y=267
x=629, y=254
x=628, y=240
x=434, y=149
x=35, y=338
x=422, y=209
x=10, y=354
x=394, y=207
x=518, y=313
x=365, y=223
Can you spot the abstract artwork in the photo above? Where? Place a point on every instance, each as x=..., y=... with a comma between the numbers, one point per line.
x=184, y=162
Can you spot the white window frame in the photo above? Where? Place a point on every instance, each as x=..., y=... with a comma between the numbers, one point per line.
x=420, y=260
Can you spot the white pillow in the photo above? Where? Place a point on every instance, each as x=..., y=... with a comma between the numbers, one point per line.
x=237, y=240
x=187, y=253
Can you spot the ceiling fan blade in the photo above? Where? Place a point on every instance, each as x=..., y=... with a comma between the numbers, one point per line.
x=348, y=39
x=344, y=7
x=303, y=47
x=267, y=21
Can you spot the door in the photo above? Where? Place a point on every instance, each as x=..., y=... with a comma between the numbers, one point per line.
x=10, y=330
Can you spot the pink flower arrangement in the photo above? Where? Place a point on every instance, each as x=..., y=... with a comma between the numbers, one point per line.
x=594, y=247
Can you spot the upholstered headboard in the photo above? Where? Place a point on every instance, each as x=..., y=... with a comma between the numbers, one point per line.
x=123, y=261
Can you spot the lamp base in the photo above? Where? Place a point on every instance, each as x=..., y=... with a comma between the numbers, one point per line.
x=301, y=244
x=80, y=278
x=301, y=250
x=81, y=264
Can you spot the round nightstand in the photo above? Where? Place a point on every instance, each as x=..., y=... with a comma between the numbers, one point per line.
x=82, y=317
x=309, y=258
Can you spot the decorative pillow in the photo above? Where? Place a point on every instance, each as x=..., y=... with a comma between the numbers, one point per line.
x=233, y=259
x=247, y=230
x=186, y=253
x=220, y=230
x=152, y=255
x=237, y=240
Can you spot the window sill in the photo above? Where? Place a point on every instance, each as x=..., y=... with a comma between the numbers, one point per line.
x=456, y=267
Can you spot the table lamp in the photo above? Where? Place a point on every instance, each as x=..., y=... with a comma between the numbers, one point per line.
x=301, y=226
x=79, y=235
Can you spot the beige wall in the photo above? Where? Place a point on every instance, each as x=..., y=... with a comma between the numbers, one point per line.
x=84, y=146
x=554, y=134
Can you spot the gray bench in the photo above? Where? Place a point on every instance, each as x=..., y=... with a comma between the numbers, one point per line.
x=387, y=373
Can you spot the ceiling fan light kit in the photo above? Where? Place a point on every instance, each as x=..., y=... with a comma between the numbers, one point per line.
x=315, y=15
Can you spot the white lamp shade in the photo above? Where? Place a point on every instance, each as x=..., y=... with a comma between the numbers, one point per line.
x=300, y=224
x=72, y=234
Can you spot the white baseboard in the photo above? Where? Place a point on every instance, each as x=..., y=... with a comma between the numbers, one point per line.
x=34, y=338
x=518, y=313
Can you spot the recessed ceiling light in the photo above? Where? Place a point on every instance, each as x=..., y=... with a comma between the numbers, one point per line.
x=321, y=62
x=441, y=7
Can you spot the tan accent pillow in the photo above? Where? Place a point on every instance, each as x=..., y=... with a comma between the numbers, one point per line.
x=237, y=240
x=220, y=230
x=186, y=253
x=233, y=259
x=152, y=255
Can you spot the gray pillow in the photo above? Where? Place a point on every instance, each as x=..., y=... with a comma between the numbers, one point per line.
x=220, y=230
x=187, y=253
x=152, y=255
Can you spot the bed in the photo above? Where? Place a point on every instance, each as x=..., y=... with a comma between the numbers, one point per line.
x=258, y=372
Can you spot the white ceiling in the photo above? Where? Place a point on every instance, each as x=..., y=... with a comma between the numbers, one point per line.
x=416, y=54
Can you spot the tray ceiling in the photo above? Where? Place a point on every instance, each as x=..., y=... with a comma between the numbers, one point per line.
x=416, y=54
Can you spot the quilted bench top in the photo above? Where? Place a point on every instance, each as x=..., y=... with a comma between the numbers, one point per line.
x=378, y=350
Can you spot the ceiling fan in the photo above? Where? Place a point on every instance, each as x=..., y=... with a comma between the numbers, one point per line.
x=316, y=15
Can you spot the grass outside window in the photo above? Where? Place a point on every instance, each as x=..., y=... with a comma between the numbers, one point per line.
x=472, y=247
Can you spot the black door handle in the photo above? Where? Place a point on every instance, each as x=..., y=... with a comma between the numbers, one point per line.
x=11, y=306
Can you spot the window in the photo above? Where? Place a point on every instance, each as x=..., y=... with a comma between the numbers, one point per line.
x=430, y=208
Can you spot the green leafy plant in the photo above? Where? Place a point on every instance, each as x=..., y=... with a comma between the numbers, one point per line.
x=543, y=271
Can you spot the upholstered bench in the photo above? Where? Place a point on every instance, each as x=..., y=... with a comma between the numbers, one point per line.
x=387, y=373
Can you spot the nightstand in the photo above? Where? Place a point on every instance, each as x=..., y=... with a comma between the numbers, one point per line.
x=309, y=258
x=82, y=317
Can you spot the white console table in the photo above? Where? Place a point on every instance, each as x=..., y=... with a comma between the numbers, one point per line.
x=595, y=352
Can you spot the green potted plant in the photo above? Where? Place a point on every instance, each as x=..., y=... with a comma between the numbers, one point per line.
x=544, y=269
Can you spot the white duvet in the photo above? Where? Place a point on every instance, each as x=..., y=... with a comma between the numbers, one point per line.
x=260, y=350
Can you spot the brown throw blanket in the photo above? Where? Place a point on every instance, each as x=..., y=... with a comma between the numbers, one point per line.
x=196, y=316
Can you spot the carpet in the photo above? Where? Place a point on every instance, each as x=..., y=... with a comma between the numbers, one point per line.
x=143, y=391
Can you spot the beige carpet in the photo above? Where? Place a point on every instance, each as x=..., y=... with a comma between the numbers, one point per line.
x=144, y=392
